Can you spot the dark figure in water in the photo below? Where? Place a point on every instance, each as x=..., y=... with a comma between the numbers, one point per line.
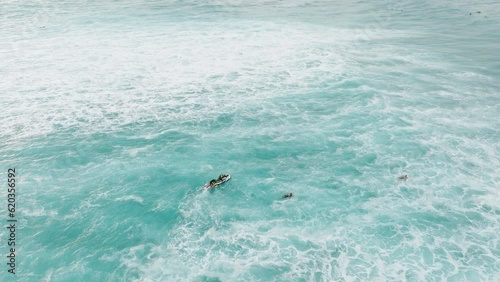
x=287, y=195
x=403, y=177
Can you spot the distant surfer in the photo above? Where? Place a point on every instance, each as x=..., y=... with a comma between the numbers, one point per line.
x=403, y=177
x=289, y=195
x=216, y=182
x=221, y=179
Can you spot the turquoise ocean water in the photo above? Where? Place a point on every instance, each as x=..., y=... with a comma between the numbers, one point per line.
x=116, y=113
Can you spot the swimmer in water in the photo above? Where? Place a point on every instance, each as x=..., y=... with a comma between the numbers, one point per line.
x=287, y=196
x=403, y=177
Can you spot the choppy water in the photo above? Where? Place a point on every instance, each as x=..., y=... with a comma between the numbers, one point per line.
x=116, y=113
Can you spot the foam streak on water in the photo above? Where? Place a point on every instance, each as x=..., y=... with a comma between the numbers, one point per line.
x=116, y=114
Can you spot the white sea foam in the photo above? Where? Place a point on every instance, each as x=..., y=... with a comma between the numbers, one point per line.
x=131, y=198
x=118, y=83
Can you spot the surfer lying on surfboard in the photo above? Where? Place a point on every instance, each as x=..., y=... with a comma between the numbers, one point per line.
x=216, y=182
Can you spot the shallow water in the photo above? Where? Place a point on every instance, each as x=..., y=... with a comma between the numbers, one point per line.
x=115, y=114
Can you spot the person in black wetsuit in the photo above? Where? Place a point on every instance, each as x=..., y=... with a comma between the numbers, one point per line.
x=287, y=195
